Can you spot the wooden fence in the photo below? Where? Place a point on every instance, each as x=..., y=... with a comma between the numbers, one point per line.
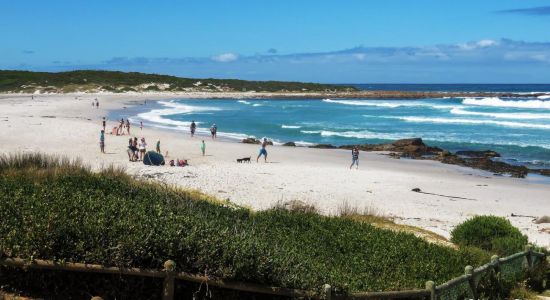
x=468, y=282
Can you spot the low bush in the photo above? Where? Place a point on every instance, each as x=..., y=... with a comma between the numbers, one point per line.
x=53, y=211
x=490, y=233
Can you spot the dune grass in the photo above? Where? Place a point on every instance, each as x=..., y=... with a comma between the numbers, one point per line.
x=53, y=208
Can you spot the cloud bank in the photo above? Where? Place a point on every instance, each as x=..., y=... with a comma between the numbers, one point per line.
x=533, y=11
x=483, y=61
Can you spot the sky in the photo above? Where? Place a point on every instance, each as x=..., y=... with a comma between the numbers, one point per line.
x=351, y=41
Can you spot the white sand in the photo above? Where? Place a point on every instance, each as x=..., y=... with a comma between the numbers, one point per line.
x=319, y=177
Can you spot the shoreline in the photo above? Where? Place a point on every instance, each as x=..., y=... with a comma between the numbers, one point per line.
x=365, y=94
x=63, y=125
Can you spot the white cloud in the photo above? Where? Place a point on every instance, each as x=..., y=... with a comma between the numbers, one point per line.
x=477, y=45
x=225, y=57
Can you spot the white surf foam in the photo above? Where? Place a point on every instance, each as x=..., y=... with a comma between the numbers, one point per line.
x=497, y=102
x=520, y=116
x=543, y=97
x=473, y=122
x=291, y=126
x=173, y=108
x=363, y=134
x=389, y=104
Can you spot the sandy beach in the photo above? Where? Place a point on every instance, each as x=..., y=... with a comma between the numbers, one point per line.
x=68, y=125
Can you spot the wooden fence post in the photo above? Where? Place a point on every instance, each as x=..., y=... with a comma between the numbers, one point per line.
x=168, y=286
x=469, y=270
x=327, y=289
x=430, y=286
x=529, y=255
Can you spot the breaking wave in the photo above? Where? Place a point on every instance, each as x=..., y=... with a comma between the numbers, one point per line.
x=497, y=102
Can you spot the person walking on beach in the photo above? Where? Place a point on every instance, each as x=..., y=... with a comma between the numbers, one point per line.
x=142, y=148
x=193, y=127
x=128, y=126
x=354, y=158
x=102, y=141
x=104, y=123
x=120, y=129
x=263, y=151
x=214, y=131
x=96, y=104
x=158, y=147
x=140, y=125
x=203, y=148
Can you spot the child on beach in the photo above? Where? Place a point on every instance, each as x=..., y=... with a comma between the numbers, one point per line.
x=203, y=147
x=354, y=158
x=102, y=141
x=158, y=146
x=263, y=151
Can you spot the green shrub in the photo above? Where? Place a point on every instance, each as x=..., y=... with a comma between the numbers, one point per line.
x=51, y=211
x=490, y=233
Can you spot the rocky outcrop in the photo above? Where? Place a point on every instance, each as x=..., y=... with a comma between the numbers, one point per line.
x=323, y=146
x=251, y=140
x=478, y=154
x=290, y=144
x=415, y=148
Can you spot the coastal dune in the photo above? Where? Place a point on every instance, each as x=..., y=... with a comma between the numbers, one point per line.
x=67, y=125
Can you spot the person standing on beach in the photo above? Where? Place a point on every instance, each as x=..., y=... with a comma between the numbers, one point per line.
x=214, y=130
x=193, y=127
x=142, y=148
x=96, y=104
x=102, y=141
x=354, y=158
x=140, y=125
x=203, y=148
x=128, y=125
x=120, y=130
x=104, y=123
x=263, y=151
x=158, y=147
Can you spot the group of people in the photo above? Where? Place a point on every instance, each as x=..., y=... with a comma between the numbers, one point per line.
x=213, y=129
x=95, y=103
x=136, y=150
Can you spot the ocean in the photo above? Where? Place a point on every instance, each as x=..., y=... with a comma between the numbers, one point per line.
x=518, y=128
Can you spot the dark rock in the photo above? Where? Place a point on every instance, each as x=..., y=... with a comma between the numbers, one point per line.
x=418, y=190
x=289, y=144
x=251, y=141
x=323, y=146
x=478, y=154
x=255, y=141
x=545, y=172
x=409, y=142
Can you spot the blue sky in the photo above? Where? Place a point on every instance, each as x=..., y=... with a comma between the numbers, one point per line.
x=421, y=41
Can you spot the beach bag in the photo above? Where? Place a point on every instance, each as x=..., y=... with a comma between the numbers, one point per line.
x=172, y=163
x=153, y=158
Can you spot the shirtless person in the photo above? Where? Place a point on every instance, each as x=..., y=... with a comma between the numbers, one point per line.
x=263, y=151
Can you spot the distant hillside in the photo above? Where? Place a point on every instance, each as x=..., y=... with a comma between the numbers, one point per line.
x=111, y=81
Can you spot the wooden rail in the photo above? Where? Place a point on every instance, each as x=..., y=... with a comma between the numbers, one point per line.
x=169, y=275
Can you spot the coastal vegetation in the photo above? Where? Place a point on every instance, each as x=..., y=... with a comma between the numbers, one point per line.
x=57, y=209
x=489, y=233
x=118, y=82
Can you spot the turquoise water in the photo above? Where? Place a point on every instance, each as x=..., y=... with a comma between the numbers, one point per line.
x=517, y=128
